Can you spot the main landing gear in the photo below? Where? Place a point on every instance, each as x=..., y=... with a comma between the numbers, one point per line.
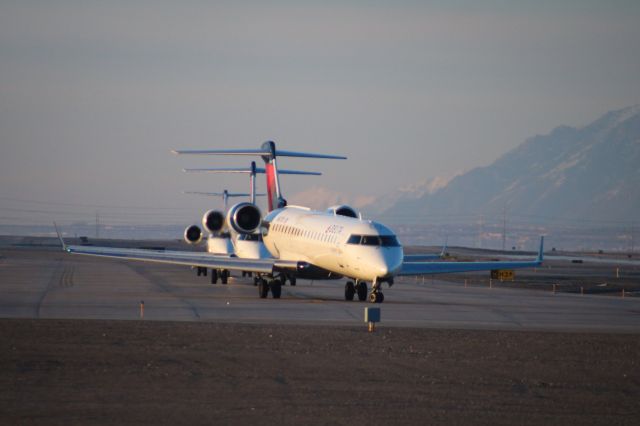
x=290, y=278
x=223, y=274
x=264, y=287
x=360, y=288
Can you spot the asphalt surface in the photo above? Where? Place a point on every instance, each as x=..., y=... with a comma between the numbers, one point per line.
x=444, y=353
x=52, y=284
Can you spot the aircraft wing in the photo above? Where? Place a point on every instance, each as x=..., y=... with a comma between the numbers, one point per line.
x=427, y=268
x=413, y=258
x=187, y=258
x=422, y=257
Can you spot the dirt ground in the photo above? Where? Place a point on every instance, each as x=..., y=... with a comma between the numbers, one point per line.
x=135, y=372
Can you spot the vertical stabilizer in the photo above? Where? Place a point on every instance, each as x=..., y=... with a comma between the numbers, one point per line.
x=274, y=195
x=269, y=154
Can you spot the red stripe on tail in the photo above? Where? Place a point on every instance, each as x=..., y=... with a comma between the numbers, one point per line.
x=271, y=186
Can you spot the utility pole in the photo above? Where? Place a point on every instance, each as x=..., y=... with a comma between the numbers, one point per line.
x=97, y=225
x=504, y=227
x=633, y=229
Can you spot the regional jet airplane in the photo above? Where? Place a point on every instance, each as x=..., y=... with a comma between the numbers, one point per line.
x=223, y=242
x=313, y=244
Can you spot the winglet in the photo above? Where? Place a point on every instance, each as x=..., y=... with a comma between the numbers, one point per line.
x=444, y=247
x=541, y=251
x=64, y=246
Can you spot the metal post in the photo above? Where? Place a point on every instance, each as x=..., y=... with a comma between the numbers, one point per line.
x=504, y=227
x=252, y=184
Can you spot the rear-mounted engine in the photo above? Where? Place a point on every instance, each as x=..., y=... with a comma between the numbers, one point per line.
x=213, y=221
x=244, y=218
x=193, y=234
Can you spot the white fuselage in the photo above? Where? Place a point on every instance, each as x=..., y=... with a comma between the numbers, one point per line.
x=328, y=241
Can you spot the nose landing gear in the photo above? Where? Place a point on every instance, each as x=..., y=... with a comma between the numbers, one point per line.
x=376, y=295
x=360, y=288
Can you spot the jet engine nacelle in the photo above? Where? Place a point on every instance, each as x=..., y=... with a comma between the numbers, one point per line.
x=244, y=218
x=343, y=210
x=213, y=221
x=193, y=234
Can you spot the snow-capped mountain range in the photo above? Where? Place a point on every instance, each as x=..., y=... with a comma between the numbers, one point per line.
x=587, y=174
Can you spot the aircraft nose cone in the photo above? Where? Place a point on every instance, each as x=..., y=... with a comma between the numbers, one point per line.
x=389, y=263
x=383, y=270
x=394, y=261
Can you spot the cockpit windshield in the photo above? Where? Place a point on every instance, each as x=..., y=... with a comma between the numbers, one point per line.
x=389, y=241
x=374, y=240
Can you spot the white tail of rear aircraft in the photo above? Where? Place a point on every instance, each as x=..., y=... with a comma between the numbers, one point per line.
x=269, y=155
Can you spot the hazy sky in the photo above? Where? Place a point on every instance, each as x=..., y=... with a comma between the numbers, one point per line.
x=94, y=94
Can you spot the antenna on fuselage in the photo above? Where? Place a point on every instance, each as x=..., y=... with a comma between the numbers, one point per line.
x=269, y=154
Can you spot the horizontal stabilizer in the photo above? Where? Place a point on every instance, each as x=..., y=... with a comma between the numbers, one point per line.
x=257, y=152
x=280, y=153
x=220, y=194
x=248, y=171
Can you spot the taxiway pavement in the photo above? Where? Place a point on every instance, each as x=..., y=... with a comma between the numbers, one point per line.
x=52, y=284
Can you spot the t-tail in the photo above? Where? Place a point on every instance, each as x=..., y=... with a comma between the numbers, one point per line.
x=252, y=170
x=225, y=196
x=269, y=154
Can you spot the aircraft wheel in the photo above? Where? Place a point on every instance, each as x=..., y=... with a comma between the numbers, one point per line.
x=255, y=280
x=263, y=288
x=292, y=280
x=214, y=276
x=362, y=291
x=349, y=290
x=276, y=288
x=376, y=297
x=224, y=276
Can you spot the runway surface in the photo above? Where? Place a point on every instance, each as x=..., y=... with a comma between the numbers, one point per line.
x=52, y=284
